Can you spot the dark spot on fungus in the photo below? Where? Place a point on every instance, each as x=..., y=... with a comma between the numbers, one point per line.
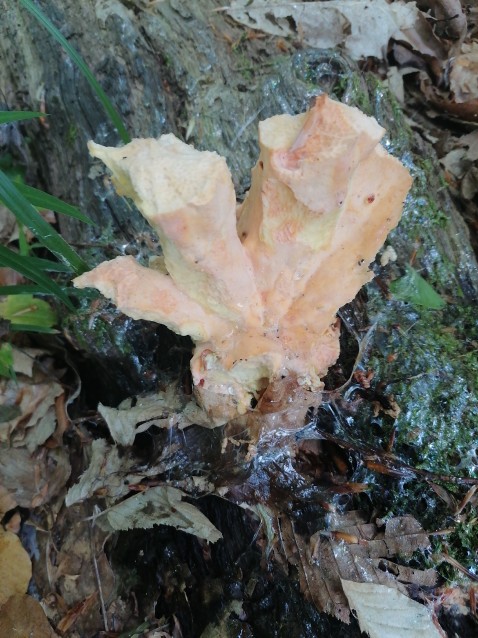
x=370, y=199
x=360, y=261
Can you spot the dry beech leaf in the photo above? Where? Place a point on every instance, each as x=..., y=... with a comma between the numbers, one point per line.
x=102, y=471
x=363, y=27
x=34, y=401
x=383, y=612
x=110, y=475
x=353, y=549
x=464, y=74
x=126, y=421
x=15, y=568
x=162, y=409
x=158, y=506
x=33, y=479
x=23, y=617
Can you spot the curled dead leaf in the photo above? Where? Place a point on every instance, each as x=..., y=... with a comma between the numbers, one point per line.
x=23, y=616
x=15, y=568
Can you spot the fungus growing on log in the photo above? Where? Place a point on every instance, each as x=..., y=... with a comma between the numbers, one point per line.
x=257, y=288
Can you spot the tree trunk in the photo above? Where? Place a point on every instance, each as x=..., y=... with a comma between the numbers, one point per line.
x=186, y=68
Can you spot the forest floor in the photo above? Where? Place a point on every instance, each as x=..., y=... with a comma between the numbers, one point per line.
x=61, y=545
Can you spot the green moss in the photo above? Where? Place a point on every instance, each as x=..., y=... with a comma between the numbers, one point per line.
x=461, y=545
x=93, y=328
x=428, y=361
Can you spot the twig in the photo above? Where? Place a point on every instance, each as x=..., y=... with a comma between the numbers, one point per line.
x=98, y=579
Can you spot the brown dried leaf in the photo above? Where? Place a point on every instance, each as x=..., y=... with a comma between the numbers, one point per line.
x=362, y=28
x=355, y=550
x=34, y=401
x=76, y=612
x=110, y=474
x=33, y=479
x=75, y=568
x=7, y=225
x=464, y=74
x=15, y=567
x=467, y=111
x=23, y=616
x=318, y=575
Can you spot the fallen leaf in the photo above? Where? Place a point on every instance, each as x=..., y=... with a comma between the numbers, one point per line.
x=33, y=400
x=383, y=612
x=353, y=549
x=110, y=474
x=27, y=310
x=23, y=617
x=75, y=568
x=363, y=27
x=471, y=141
x=24, y=359
x=455, y=162
x=442, y=102
x=132, y=417
x=160, y=505
x=464, y=73
x=33, y=479
x=15, y=567
x=469, y=183
x=76, y=612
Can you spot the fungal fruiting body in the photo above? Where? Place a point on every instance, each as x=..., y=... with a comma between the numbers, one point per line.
x=257, y=287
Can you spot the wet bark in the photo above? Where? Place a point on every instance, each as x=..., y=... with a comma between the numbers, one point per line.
x=185, y=68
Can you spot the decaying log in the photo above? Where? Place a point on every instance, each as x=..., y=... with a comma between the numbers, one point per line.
x=184, y=68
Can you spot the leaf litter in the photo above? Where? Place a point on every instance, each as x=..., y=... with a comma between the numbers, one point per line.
x=363, y=27
x=355, y=550
x=384, y=611
x=353, y=562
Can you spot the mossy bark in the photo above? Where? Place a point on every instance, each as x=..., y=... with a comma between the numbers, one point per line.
x=184, y=67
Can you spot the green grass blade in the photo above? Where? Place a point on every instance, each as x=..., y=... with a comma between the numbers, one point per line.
x=45, y=201
x=20, y=327
x=6, y=370
x=47, y=265
x=22, y=289
x=10, y=259
x=27, y=215
x=80, y=63
x=32, y=289
x=14, y=116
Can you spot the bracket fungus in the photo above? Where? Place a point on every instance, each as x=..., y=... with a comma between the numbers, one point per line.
x=257, y=286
